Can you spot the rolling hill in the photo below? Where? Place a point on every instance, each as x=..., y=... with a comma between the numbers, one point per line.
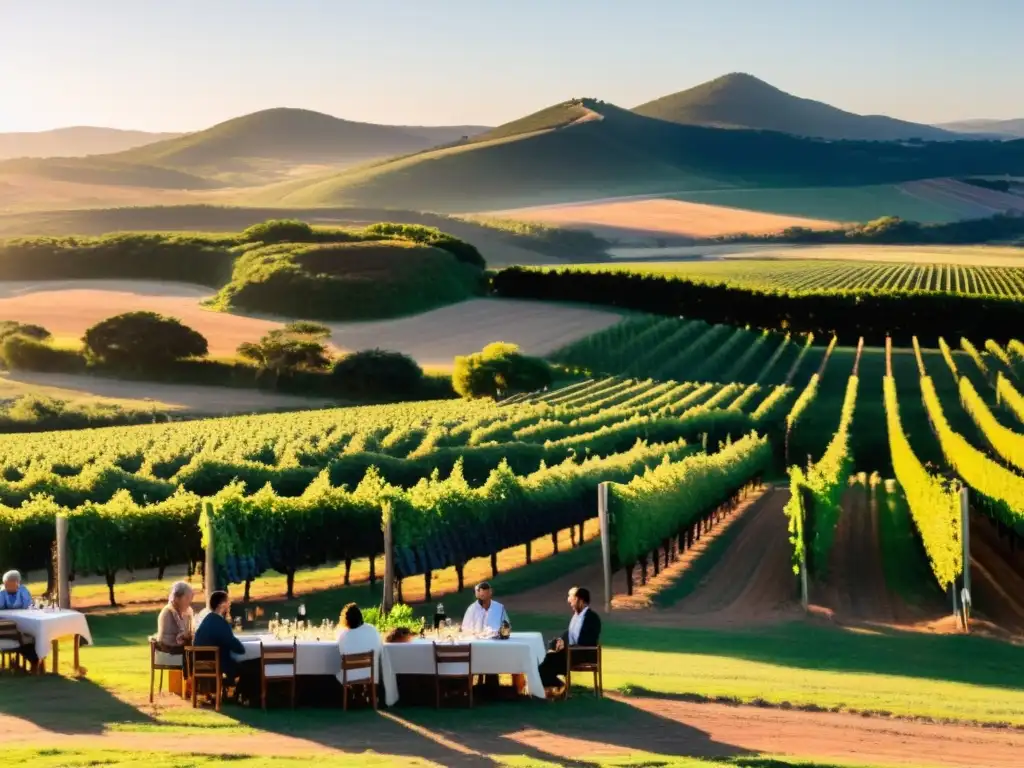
x=103, y=170
x=587, y=149
x=740, y=100
x=999, y=128
x=77, y=141
x=290, y=135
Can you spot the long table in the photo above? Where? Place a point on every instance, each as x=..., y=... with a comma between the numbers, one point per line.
x=47, y=628
x=521, y=654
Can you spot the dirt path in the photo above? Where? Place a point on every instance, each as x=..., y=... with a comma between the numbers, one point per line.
x=750, y=584
x=855, y=588
x=753, y=581
x=643, y=724
x=997, y=581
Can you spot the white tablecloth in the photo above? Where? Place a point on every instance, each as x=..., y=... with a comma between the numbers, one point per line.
x=46, y=626
x=521, y=654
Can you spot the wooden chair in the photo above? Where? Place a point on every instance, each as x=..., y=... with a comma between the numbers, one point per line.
x=161, y=661
x=203, y=663
x=277, y=665
x=453, y=662
x=353, y=663
x=11, y=641
x=590, y=663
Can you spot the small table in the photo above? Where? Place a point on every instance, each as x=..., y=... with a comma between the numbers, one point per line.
x=49, y=628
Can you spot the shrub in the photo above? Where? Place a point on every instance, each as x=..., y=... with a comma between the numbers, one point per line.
x=29, y=330
x=377, y=372
x=499, y=369
x=417, y=233
x=143, y=340
x=279, y=231
x=29, y=354
x=296, y=347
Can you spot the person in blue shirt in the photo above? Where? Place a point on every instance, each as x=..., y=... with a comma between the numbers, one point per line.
x=15, y=597
x=215, y=630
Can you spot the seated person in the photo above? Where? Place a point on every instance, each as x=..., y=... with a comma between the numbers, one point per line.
x=485, y=614
x=355, y=636
x=15, y=597
x=174, y=624
x=216, y=631
x=584, y=629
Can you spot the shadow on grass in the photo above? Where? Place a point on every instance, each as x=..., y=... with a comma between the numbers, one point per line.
x=64, y=705
x=803, y=645
x=542, y=731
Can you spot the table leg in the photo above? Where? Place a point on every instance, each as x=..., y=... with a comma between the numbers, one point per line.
x=56, y=657
x=78, y=643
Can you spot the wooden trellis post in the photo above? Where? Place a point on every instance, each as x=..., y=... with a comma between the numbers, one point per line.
x=63, y=564
x=606, y=544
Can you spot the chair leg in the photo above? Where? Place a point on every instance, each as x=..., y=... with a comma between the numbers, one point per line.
x=373, y=694
x=568, y=683
x=293, y=693
x=437, y=691
x=470, y=691
x=194, y=682
x=152, y=674
x=344, y=698
x=216, y=701
x=263, y=693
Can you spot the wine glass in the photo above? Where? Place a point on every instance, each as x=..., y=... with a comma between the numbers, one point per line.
x=448, y=630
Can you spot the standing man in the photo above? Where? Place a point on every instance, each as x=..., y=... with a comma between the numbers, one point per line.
x=584, y=629
x=486, y=614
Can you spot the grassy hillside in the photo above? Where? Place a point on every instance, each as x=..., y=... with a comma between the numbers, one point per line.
x=616, y=152
x=503, y=243
x=298, y=135
x=104, y=170
x=284, y=268
x=740, y=100
x=74, y=142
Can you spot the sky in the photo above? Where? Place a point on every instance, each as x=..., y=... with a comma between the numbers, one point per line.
x=176, y=65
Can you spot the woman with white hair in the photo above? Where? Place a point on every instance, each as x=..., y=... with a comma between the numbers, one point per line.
x=15, y=596
x=174, y=625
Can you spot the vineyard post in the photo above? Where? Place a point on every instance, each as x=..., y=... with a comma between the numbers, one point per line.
x=606, y=544
x=209, y=566
x=965, y=516
x=63, y=575
x=389, y=563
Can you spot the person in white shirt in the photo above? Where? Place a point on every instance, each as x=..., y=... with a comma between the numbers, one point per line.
x=355, y=636
x=484, y=615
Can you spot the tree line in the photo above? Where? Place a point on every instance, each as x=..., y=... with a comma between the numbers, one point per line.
x=848, y=313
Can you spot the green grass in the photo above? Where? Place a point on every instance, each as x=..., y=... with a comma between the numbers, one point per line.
x=843, y=204
x=905, y=564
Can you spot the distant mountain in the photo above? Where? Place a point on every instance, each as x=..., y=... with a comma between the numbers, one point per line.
x=585, y=149
x=74, y=142
x=740, y=100
x=1001, y=128
x=291, y=135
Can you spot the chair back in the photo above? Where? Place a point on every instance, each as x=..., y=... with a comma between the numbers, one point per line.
x=277, y=660
x=583, y=658
x=10, y=635
x=453, y=660
x=203, y=660
x=356, y=663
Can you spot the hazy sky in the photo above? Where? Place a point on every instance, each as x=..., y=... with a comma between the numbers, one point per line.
x=186, y=64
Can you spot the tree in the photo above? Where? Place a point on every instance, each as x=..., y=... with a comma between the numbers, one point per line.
x=499, y=369
x=30, y=330
x=298, y=346
x=377, y=372
x=143, y=340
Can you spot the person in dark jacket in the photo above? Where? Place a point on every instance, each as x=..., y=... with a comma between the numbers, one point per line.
x=584, y=629
x=216, y=631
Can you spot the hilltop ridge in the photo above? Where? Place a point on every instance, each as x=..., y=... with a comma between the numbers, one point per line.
x=740, y=100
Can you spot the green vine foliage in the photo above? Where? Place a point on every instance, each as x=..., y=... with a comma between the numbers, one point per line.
x=665, y=499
